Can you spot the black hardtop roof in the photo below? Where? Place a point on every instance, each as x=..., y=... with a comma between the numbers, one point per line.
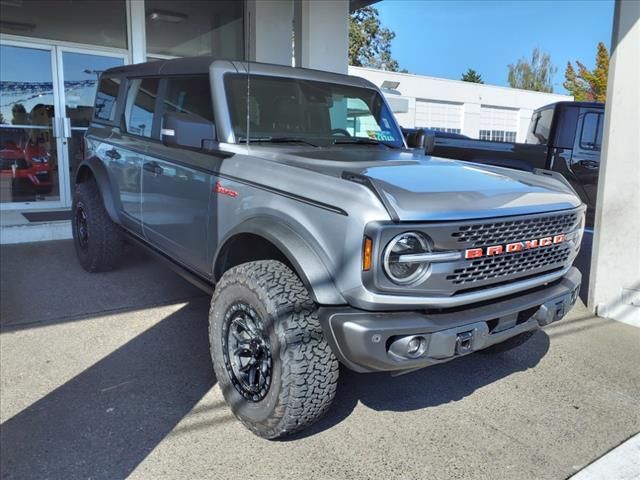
x=566, y=104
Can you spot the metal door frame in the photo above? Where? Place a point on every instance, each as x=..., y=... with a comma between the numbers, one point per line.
x=61, y=125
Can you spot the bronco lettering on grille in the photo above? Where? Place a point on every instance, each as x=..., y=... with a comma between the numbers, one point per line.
x=493, y=250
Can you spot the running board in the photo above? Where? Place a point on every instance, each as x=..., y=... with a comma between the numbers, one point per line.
x=191, y=277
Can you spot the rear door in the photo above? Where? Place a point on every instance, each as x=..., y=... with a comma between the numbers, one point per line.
x=585, y=161
x=177, y=183
x=123, y=149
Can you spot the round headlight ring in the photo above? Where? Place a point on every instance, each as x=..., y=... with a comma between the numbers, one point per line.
x=414, y=271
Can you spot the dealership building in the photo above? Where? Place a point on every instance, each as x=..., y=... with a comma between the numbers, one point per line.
x=52, y=52
x=487, y=112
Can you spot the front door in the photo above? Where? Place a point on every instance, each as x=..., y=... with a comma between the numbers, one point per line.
x=46, y=102
x=177, y=183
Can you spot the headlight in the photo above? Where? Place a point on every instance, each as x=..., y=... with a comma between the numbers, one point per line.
x=401, y=270
x=578, y=232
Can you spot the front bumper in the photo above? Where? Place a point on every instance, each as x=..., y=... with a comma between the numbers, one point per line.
x=376, y=341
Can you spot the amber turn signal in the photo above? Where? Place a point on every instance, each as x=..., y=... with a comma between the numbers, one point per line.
x=366, y=254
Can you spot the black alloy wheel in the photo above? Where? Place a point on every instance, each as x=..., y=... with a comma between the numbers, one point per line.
x=82, y=229
x=247, y=353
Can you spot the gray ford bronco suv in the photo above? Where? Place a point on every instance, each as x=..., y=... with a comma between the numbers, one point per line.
x=291, y=195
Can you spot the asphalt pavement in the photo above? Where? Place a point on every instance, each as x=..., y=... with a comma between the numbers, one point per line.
x=105, y=376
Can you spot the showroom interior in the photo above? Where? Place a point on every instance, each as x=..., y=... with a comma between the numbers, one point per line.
x=52, y=56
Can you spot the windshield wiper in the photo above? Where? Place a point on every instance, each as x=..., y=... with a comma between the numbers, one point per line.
x=277, y=140
x=361, y=141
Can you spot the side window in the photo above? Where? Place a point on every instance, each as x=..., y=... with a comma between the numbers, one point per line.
x=532, y=127
x=191, y=95
x=105, y=107
x=141, y=99
x=542, y=127
x=591, y=135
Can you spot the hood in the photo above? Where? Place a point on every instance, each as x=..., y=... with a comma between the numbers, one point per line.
x=415, y=187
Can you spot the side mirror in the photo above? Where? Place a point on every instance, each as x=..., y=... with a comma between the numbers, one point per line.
x=429, y=143
x=415, y=139
x=186, y=130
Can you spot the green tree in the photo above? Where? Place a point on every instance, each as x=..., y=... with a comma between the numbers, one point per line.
x=589, y=85
x=471, y=76
x=536, y=74
x=370, y=42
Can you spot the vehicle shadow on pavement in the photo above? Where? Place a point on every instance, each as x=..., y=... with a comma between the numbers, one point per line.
x=43, y=283
x=106, y=420
x=429, y=387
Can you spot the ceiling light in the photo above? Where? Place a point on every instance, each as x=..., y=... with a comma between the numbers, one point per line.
x=388, y=84
x=166, y=16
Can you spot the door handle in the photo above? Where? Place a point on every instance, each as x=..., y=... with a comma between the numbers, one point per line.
x=589, y=164
x=113, y=154
x=153, y=167
x=66, y=127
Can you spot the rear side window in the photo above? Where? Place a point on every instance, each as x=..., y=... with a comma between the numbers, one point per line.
x=190, y=95
x=141, y=99
x=591, y=135
x=540, y=127
x=105, y=107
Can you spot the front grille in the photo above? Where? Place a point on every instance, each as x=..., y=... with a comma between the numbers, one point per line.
x=486, y=234
x=514, y=264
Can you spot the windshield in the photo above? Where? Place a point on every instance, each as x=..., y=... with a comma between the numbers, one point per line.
x=317, y=113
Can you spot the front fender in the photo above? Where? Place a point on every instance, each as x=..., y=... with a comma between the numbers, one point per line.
x=109, y=193
x=298, y=251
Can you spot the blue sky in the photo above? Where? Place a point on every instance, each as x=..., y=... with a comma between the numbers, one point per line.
x=443, y=38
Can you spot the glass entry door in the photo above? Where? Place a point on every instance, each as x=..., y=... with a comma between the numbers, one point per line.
x=80, y=72
x=46, y=104
x=29, y=154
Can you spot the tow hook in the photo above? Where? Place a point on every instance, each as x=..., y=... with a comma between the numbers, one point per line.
x=463, y=342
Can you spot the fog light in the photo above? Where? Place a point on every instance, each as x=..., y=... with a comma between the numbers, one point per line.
x=416, y=346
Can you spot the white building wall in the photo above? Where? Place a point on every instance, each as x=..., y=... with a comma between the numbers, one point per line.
x=481, y=105
x=447, y=116
x=269, y=25
x=322, y=34
x=614, y=287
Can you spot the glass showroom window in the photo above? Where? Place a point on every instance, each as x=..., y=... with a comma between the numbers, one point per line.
x=443, y=129
x=192, y=27
x=510, y=137
x=91, y=22
x=485, y=135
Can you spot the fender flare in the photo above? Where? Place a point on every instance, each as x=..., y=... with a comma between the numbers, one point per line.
x=302, y=256
x=109, y=194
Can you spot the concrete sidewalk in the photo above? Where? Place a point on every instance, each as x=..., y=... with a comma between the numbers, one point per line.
x=109, y=375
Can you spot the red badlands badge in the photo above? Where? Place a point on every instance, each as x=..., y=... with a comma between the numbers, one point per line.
x=472, y=253
x=222, y=190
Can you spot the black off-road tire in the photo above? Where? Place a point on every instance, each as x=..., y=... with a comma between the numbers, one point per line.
x=101, y=248
x=304, y=371
x=509, y=344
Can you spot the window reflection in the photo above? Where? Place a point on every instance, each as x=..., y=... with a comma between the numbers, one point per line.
x=92, y=22
x=192, y=27
x=28, y=163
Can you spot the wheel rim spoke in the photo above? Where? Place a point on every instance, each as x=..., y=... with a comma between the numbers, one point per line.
x=247, y=352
